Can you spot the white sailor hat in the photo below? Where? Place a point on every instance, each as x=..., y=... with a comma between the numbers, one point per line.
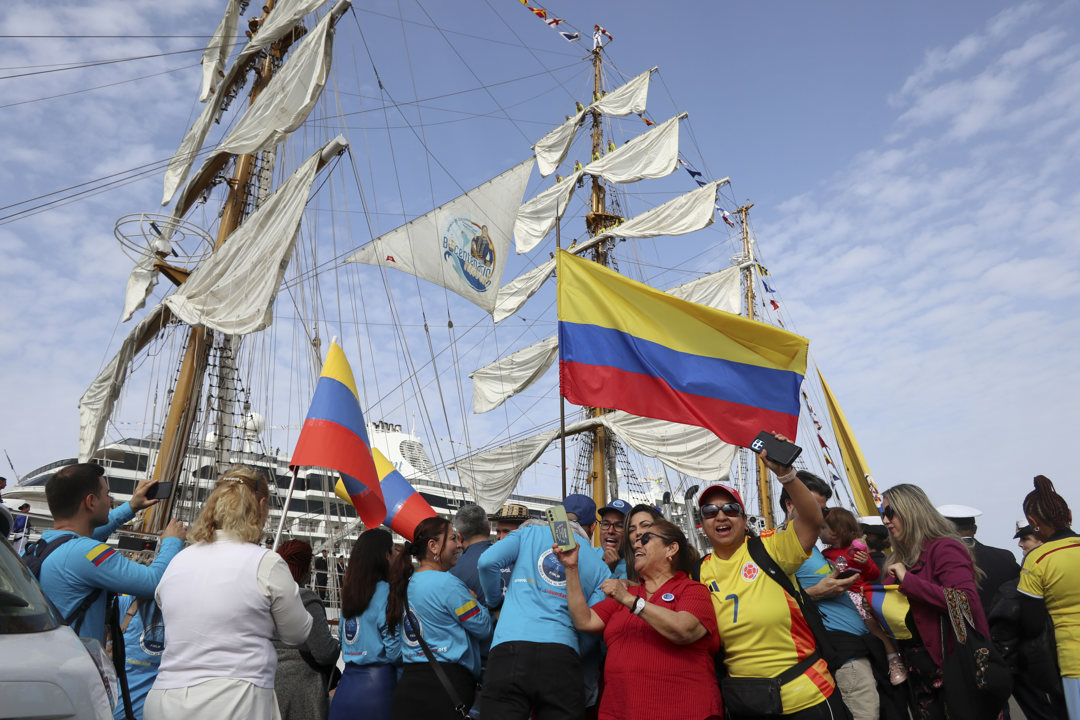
x=871, y=520
x=959, y=512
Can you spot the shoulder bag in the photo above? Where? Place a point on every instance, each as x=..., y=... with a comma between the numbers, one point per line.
x=976, y=682
x=460, y=707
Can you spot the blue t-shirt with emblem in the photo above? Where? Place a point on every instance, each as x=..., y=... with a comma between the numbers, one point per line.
x=144, y=641
x=76, y=568
x=451, y=620
x=837, y=613
x=365, y=639
x=535, y=609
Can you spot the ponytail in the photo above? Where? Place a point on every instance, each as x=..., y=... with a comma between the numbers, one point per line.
x=432, y=528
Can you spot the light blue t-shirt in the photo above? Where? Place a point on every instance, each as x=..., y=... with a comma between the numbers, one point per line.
x=535, y=609
x=76, y=568
x=365, y=639
x=837, y=613
x=451, y=620
x=144, y=641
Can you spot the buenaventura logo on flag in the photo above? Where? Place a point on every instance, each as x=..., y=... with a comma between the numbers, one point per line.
x=627, y=346
x=334, y=436
x=405, y=507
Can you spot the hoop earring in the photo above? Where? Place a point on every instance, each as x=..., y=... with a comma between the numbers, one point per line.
x=436, y=558
x=1036, y=528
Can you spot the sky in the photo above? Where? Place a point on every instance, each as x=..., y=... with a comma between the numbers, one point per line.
x=913, y=174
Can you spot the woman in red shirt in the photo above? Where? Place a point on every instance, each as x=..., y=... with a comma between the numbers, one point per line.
x=660, y=634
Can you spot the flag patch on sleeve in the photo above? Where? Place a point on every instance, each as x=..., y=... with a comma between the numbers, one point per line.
x=467, y=610
x=100, y=554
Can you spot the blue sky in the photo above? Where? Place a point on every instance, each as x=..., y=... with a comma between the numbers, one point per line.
x=913, y=171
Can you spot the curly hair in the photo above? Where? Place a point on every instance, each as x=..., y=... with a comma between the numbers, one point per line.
x=234, y=506
x=1046, y=506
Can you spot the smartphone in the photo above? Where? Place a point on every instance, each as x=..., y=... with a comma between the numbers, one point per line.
x=846, y=573
x=779, y=451
x=160, y=491
x=560, y=528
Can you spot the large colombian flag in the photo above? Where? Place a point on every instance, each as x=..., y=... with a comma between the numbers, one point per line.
x=334, y=436
x=627, y=346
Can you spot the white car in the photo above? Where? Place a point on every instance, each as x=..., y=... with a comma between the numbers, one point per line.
x=45, y=669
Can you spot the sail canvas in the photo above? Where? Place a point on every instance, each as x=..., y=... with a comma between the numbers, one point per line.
x=461, y=245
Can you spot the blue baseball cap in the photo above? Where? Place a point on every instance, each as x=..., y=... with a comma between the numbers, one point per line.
x=582, y=506
x=619, y=506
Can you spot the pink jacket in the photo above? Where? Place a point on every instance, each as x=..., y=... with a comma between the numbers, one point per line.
x=943, y=563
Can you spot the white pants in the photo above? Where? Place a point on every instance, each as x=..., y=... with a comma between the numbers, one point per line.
x=212, y=700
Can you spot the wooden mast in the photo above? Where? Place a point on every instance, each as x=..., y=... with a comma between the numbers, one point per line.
x=596, y=221
x=765, y=507
x=183, y=403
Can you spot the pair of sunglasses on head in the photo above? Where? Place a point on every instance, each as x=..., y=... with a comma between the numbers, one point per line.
x=731, y=509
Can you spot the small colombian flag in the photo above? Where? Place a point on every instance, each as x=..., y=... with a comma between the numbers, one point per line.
x=100, y=554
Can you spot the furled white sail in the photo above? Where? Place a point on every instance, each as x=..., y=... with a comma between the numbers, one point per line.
x=96, y=404
x=193, y=141
x=514, y=294
x=493, y=474
x=685, y=214
x=494, y=383
x=461, y=245
x=281, y=107
x=285, y=15
x=538, y=215
x=652, y=154
x=497, y=382
x=234, y=290
x=628, y=98
x=143, y=277
x=219, y=48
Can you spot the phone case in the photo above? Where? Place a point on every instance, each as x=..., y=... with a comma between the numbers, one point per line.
x=560, y=527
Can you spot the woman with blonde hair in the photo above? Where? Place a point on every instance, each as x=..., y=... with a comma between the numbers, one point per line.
x=223, y=599
x=928, y=557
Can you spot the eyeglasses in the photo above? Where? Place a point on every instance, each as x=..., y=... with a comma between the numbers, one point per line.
x=731, y=509
x=645, y=537
x=605, y=525
x=888, y=512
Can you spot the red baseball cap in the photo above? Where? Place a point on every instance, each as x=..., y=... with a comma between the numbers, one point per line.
x=719, y=487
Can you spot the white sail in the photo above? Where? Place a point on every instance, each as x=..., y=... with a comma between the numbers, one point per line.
x=461, y=245
x=285, y=15
x=628, y=98
x=687, y=213
x=652, y=154
x=96, y=404
x=143, y=277
x=193, y=141
x=234, y=290
x=218, y=49
x=497, y=382
x=493, y=384
x=538, y=216
x=514, y=294
x=493, y=474
x=280, y=108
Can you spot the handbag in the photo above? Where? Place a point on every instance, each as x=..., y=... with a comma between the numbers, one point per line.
x=976, y=682
x=751, y=696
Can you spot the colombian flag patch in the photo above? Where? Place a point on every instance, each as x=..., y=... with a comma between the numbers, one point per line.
x=467, y=610
x=100, y=554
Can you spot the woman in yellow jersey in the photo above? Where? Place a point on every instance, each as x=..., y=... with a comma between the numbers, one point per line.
x=927, y=557
x=1050, y=580
x=762, y=629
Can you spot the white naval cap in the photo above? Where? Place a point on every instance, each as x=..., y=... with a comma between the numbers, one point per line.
x=871, y=520
x=959, y=512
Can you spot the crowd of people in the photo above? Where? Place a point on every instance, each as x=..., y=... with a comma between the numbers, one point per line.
x=454, y=624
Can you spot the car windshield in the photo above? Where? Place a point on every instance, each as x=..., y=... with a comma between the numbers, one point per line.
x=23, y=608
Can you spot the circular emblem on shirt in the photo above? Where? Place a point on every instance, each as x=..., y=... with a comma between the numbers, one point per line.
x=152, y=640
x=551, y=569
x=352, y=628
x=750, y=572
x=410, y=634
x=667, y=597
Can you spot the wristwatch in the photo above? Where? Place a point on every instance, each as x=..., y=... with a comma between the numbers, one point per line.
x=639, y=605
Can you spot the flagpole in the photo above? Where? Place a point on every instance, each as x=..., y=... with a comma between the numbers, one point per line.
x=562, y=398
x=284, y=510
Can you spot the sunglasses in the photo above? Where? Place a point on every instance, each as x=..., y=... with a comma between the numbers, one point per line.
x=645, y=537
x=731, y=509
x=888, y=512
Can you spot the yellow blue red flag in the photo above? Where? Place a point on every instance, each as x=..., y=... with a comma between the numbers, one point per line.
x=628, y=346
x=335, y=436
x=891, y=608
x=405, y=507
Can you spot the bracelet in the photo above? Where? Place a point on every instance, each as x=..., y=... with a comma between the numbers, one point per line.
x=787, y=477
x=639, y=605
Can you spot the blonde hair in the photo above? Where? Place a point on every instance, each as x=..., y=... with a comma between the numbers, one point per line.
x=920, y=523
x=234, y=506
